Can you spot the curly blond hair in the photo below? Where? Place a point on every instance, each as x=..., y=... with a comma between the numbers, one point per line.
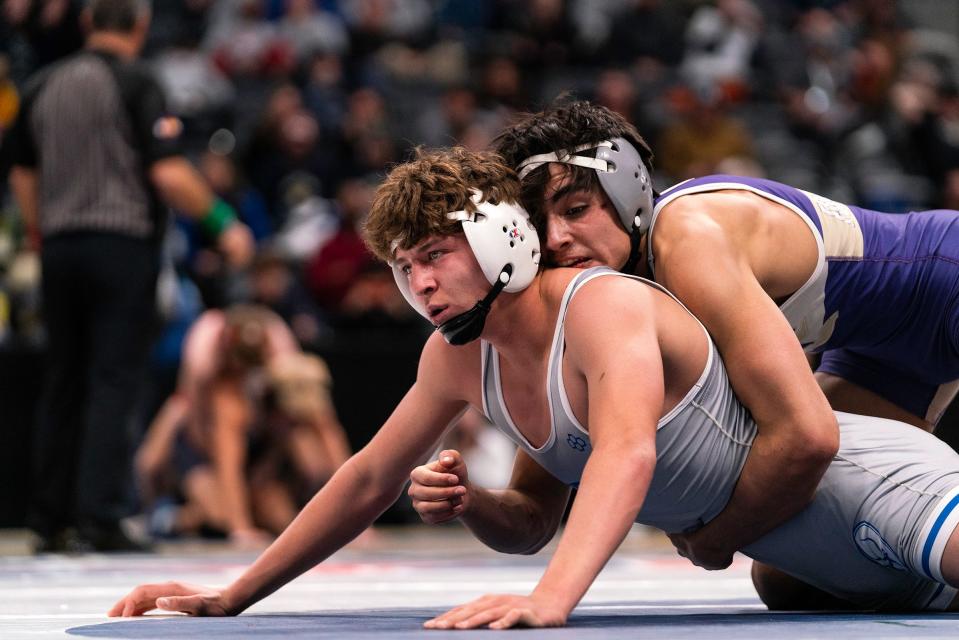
x=412, y=203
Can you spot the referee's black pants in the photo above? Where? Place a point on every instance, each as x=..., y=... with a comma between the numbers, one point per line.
x=99, y=309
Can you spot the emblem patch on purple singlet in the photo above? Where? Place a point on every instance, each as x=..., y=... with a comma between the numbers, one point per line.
x=872, y=545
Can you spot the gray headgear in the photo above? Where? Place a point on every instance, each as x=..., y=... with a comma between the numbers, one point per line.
x=621, y=173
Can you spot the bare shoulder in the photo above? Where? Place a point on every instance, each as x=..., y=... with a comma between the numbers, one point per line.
x=728, y=221
x=696, y=217
x=611, y=301
x=452, y=372
x=614, y=322
x=696, y=242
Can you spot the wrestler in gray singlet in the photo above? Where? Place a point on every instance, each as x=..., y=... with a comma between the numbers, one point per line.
x=875, y=532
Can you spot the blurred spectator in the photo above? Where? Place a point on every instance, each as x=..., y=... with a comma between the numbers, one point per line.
x=175, y=22
x=342, y=275
x=283, y=102
x=274, y=285
x=244, y=44
x=457, y=118
x=310, y=31
x=702, y=138
x=816, y=97
x=335, y=267
x=310, y=220
x=502, y=85
x=367, y=145
x=373, y=300
x=9, y=97
x=405, y=67
x=249, y=436
x=647, y=33
x=21, y=320
x=373, y=23
x=928, y=109
x=219, y=168
x=617, y=90
x=98, y=216
x=720, y=41
x=445, y=122
x=542, y=32
x=197, y=92
x=949, y=198
x=50, y=28
x=367, y=115
x=288, y=143
x=323, y=93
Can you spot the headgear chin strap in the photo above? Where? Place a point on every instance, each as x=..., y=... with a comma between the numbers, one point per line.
x=468, y=326
x=623, y=176
x=507, y=249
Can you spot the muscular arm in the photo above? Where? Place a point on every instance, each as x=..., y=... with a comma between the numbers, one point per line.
x=597, y=366
x=622, y=429
x=797, y=431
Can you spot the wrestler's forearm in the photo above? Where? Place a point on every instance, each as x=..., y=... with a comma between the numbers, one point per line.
x=611, y=493
x=509, y=521
x=345, y=507
x=778, y=480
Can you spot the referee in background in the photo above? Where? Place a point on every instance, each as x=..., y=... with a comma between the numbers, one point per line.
x=94, y=154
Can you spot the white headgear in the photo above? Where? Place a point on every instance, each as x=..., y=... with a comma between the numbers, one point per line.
x=621, y=173
x=500, y=235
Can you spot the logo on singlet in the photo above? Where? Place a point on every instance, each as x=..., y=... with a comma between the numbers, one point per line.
x=872, y=545
x=576, y=442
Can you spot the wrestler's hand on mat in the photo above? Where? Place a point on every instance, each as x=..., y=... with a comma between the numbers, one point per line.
x=501, y=612
x=440, y=490
x=192, y=599
x=702, y=550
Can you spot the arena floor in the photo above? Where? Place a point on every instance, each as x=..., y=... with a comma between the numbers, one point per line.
x=386, y=586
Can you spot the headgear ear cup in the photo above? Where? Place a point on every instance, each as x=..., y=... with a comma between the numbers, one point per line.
x=627, y=184
x=622, y=175
x=501, y=234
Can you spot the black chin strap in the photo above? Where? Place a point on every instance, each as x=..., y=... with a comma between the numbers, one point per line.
x=634, y=239
x=468, y=326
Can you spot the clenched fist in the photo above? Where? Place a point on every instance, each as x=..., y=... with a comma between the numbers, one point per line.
x=440, y=490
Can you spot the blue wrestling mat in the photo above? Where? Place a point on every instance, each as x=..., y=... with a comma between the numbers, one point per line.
x=387, y=586
x=597, y=622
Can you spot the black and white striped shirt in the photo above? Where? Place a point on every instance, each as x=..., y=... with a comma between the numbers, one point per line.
x=91, y=126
